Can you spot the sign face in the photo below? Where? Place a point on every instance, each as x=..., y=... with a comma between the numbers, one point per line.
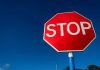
x=69, y=31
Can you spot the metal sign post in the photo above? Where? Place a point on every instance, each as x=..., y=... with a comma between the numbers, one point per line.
x=71, y=61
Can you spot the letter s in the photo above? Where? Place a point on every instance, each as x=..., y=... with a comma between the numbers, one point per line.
x=48, y=28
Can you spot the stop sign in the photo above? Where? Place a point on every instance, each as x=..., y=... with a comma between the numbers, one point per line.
x=69, y=31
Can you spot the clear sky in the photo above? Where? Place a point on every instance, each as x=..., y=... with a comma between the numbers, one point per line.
x=21, y=34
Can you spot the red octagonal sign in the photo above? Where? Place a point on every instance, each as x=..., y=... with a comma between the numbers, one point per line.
x=69, y=31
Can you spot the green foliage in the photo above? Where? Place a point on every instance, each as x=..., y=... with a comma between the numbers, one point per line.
x=90, y=67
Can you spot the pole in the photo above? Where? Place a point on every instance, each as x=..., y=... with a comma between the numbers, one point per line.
x=56, y=66
x=71, y=61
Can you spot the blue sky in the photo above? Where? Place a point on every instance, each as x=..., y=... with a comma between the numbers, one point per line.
x=21, y=34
